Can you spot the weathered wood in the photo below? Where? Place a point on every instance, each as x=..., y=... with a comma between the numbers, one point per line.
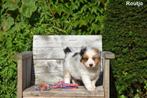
x=48, y=53
x=48, y=71
x=80, y=92
x=24, y=64
x=42, y=53
x=19, y=76
x=69, y=40
x=108, y=55
x=48, y=66
x=62, y=43
x=67, y=97
x=106, y=81
x=48, y=77
x=51, y=47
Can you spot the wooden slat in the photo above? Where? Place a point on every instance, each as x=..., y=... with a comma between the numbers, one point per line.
x=80, y=92
x=24, y=75
x=48, y=53
x=19, y=76
x=65, y=38
x=48, y=70
x=108, y=55
x=48, y=77
x=63, y=41
x=51, y=47
x=27, y=64
x=28, y=71
x=48, y=66
x=106, y=78
x=24, y=64
x=67, y=97
x=51, y=53
x=81, y=43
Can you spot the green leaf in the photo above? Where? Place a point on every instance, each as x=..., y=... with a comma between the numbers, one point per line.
x=7, y=23
x=122, y=96
x=11, y=4
x=27, y=7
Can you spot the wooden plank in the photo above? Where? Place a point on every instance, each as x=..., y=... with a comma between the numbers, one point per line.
x=48, y=77
x=23, y=73
x=51, y=53
x=63, y=41
x=48, y=71
x=48, y=66
x=19, y=76
x=51, y=47
x=80, y=92
x=108, y=55
x=28, y=71
x=27, y=64
x=68, y=97
x=45, y=44
x=66, y=38
x=106, y=78
x=48, y=53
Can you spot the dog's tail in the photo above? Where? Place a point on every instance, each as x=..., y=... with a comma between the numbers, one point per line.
x=67, y=50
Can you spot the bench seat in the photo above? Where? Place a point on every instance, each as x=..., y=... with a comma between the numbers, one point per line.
x=79, y=92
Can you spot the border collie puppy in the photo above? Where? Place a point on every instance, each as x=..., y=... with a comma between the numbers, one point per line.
x=83, y=65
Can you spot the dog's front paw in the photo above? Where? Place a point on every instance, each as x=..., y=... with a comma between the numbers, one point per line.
x=91, y=89
x=67, y=81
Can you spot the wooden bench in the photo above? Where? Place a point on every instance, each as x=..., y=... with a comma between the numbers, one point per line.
x=45, y=64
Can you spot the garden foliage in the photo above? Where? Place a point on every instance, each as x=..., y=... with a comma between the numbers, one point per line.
x=125, y=33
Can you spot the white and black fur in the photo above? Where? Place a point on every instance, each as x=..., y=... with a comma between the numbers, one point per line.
x=83, y=65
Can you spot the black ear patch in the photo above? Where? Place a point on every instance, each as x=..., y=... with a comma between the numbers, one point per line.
x=82, y=51
x=67, y=50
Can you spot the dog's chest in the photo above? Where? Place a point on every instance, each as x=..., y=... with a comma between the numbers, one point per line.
x=77, y=74
x=93, y=75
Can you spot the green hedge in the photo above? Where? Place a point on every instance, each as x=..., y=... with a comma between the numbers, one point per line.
x=21, y=19
x=125, y=34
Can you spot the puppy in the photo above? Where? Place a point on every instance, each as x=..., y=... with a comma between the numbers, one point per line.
x=83, y=65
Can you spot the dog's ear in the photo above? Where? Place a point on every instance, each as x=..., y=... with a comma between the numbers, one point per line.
x=67, y=50
x=82, y=50
x=97, y=50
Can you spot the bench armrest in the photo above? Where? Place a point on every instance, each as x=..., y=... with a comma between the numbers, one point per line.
x=108, y=55
x=24, y=67
x=106, y=79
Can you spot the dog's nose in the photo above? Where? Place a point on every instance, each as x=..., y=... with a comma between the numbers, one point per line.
x=90, y=65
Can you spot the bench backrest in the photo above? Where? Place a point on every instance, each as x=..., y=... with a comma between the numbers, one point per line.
x=48, y=53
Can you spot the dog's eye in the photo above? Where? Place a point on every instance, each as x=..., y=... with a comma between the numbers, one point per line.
x=85, y=59
x=94, y=58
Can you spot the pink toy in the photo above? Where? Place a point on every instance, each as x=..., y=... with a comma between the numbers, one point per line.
x=60, y=84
